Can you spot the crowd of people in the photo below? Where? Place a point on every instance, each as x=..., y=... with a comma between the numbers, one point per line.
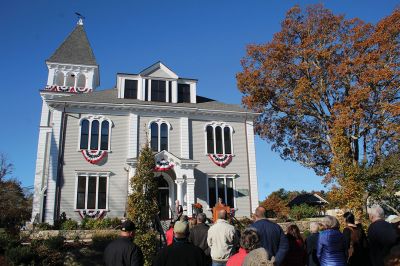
x=264, y=242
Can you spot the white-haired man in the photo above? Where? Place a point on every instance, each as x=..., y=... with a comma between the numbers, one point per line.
x=381, y=236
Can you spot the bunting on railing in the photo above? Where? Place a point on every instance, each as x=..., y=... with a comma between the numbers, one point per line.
x=94, y=214
x=56, y=88
x=163, y=165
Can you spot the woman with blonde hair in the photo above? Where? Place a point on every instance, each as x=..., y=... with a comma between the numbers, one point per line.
x=331, y=246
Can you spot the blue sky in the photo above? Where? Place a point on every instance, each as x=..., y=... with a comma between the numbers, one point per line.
x=199, y=39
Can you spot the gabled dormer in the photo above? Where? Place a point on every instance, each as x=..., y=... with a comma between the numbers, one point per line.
x=157, y=83
x=73, y=67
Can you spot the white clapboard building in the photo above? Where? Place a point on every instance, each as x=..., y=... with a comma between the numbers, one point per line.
x=89, y=140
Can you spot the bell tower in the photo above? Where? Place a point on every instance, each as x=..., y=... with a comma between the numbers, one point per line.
x=73, y=67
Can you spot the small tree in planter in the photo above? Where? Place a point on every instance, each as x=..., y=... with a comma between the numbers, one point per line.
x=142, y=203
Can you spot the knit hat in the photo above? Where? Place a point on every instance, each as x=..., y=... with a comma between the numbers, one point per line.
x=180, y=227
x=258, y=256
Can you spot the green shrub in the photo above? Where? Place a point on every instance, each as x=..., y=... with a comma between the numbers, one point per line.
x=302, y=211
x=69, y=225
x=98, y=224
x=101, y=239
x=147, y=241
x=55, y=242
x=44, y=226
x=20, y=255
x=8, y=241
x=306, y=233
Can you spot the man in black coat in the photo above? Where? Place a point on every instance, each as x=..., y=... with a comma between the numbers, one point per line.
x=381, y=236
x=198, y=235
x=181, y=252
x=311, y=245
x=123, y=251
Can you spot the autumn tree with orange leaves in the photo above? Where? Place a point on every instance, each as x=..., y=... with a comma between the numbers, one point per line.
x=327, y=88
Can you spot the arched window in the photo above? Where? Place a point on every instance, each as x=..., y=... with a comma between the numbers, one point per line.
x=70, y=81
x=104, y=135
x=154, y=136
x=227, y=140
x=159, y=134
x=59, y=79
x=218, y=138
x=81, y=82
x=210, y=139
x=94, y=135
x=84, y=134
x=164, y=137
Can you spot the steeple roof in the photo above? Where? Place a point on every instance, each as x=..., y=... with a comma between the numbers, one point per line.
x=75, y=49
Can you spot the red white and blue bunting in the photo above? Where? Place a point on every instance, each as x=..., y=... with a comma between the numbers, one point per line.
x=94, y=214
x=94, y=156
x=221, y=160
x=68, y=89
x=163, y=165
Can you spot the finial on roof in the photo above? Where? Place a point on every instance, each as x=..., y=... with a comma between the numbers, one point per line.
x=80, y=18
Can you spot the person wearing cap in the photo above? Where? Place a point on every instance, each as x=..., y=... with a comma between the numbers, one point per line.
x=122, y=251
x=181, y=252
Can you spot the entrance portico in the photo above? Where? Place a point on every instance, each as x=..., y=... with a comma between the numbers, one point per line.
x=176, y=172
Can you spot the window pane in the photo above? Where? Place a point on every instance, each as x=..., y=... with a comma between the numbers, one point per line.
x=59, y=79
x=70, y=81
x=91, y=200
x=154, y=137
x=170, y=91
x=102, y=197
x=131, y=89
x=146, y=90
x=218, y=139
x=104, y=135
x=81, y=83
x=221, y=189
x=210, y=140
x=84, y=134
x=227, y=140
x=183, y=93
x=164, y=137
x=94, y=141
x=229, y=193
x=80, y=197
x=212, y=197
x=158, y=90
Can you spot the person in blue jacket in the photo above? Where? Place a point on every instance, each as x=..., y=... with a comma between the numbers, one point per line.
x=331, y=246
x=272, y=237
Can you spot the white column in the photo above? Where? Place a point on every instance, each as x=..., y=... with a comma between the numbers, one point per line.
x=131, y=173
x=53, y=167
x=179, y=193
x=89, y=82
x=193, y=92
x=252, y=166
x=132, y=136
x=167, y=91
x=139, y=89
x=50, y=77
x=190, y=194
x=174, y=91
x=184, y=137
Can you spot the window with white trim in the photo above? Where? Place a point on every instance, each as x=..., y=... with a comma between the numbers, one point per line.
x=95, y=133
x=221, y=187
x=159, y=135
x=92, y=192
x=218, y=137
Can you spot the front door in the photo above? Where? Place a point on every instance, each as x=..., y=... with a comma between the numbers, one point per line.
x=163, y=198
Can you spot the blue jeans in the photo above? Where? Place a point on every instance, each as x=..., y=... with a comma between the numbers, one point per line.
x=218, y=263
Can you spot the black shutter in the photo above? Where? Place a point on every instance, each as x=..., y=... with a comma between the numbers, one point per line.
x=131, y=89
x=170, y=91
x=183, y=93
x=146, y=90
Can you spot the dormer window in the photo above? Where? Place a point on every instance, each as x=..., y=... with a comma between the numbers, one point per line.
x=158, y=90
x=131, y=89
x=183, y=93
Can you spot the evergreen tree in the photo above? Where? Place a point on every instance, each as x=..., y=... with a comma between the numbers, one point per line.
x=142, y=203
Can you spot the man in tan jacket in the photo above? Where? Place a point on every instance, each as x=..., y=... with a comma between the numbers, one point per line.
x=222, y=239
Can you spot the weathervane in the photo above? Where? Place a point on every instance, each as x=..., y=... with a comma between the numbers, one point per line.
x=80, y=18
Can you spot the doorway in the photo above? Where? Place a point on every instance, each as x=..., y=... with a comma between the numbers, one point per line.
x=163, y=198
